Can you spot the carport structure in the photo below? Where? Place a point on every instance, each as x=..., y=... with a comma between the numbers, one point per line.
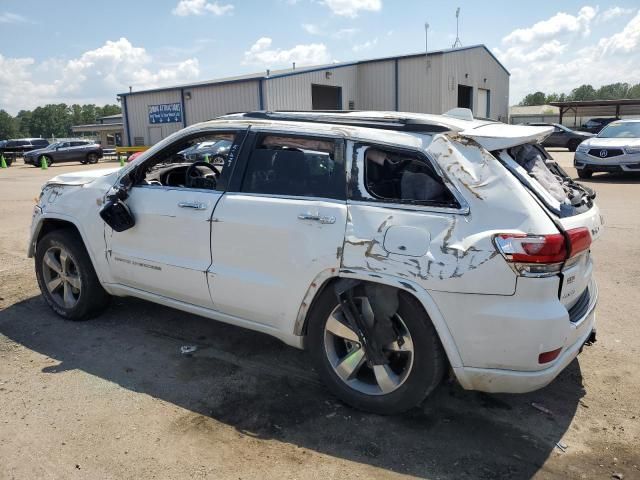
x=599, y=108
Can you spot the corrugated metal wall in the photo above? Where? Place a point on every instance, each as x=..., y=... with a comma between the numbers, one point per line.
x=138, y=115
x=419, y=88
x=376, y=86
x=294, y=92
x=211, y=101
x=471, y=67
x=370, y=86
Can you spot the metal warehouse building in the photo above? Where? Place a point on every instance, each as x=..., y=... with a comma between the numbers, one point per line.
x=468, y=77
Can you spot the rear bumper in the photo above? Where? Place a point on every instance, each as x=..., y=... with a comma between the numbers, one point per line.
x=513, y=381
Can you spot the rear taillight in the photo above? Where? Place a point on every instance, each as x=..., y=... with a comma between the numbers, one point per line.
x=579, y=240
x=542, y=255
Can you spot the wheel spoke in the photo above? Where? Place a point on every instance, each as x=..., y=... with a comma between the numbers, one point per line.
x=407, y=345
x=64, y=260
x=69, y=299
x=54, y=284
x=337, y=327
x=350, y=365
x=74, y=280
x=386, y=379
x=52, y=262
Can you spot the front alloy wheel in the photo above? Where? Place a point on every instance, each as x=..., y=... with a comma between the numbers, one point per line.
x=61, y=277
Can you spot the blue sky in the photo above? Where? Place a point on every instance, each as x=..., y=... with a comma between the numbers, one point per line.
x=81, y=51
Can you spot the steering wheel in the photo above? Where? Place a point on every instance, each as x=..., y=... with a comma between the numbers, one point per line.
x=190, y=176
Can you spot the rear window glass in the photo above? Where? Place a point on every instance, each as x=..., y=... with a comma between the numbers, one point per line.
x=296, y=166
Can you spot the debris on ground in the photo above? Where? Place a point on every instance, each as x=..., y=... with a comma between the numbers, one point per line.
x=541, y=408
x=188, y=349
x=562, y=446
x=617, y=476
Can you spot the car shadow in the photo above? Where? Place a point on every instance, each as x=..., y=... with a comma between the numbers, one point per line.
x=267, y=390
x=616, y=178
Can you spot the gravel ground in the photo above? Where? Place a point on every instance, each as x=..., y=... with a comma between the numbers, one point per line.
x=114, y=398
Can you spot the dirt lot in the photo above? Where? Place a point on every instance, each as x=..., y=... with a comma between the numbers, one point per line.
x=114, y=398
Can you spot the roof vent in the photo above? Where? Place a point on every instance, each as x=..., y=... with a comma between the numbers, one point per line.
x=461, y=113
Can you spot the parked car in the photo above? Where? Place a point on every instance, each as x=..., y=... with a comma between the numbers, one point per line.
x=594, y=125
x=563, y=137
x=214, y=152
x=14, y=148
x=615, y=149
x=368, y=238
x=82, y=151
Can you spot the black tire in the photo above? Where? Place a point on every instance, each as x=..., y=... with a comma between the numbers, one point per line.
x=583, y=173
x=92, y=298
x=573, y=145
x=92, y=158
x=429, y=361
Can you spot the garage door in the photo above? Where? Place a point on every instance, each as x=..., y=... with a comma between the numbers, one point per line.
x=324, y=97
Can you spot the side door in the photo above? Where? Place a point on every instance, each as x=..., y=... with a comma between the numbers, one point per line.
x=61, y=154
x=278, y=227
x=168, y=251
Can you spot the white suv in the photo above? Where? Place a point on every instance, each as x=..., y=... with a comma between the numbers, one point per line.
x=395, y=247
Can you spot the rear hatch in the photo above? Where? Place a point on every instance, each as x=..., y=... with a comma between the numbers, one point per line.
x=569, y=204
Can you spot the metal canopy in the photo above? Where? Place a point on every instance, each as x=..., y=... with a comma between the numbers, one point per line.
x=599, y=108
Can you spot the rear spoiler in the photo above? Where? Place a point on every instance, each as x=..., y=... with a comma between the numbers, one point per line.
x=498, y=136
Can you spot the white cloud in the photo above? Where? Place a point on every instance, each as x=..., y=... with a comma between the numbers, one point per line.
x=312, y=29
x=345, y=33
x=365, y=46
x=615, y=12
x=201, y=7
x=96, y=76
x=350, y=8
x=8, y=17
x=261, y=53
x=560, y=23
x=566, y=59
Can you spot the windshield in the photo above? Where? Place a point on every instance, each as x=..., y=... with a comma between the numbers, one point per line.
x=621, y=130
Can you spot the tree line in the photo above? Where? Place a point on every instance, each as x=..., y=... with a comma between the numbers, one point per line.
x=613, y=91
x=53, y=120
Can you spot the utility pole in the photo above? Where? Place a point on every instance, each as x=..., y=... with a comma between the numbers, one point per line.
x=426, y=44
x=457, y=43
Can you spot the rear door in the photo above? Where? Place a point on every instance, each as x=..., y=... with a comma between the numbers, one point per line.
x=280, y=225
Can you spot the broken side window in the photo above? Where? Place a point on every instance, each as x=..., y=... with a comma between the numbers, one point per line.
x=404, y=177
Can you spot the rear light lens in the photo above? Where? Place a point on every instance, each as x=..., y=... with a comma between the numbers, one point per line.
x=532, y=248
x=579, y=240
x=542, y=255
x=547, y=357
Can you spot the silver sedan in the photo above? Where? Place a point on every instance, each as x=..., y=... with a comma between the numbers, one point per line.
x=615, y=149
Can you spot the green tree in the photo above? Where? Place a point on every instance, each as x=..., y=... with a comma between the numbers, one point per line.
x=537, y=98
x=53, y=120
x=23, y=120
x=583, y=92
x=8, y=126
x=634, y=91
x=613, y=91
x=110, y=110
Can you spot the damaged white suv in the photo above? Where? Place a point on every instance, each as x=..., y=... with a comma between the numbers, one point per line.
x=395, y=247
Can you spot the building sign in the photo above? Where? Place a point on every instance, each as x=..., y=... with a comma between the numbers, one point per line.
x=165, y=113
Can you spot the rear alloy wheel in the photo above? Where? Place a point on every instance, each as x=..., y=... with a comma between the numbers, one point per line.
x=66, y=276
x=92, y=158
x=414, y=362
x=582, y=173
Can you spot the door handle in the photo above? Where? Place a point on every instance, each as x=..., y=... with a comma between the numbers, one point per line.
x=326, y=219
x=193, y=205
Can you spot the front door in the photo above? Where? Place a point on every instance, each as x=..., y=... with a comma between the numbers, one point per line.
x=168, y=252
x=280, y=228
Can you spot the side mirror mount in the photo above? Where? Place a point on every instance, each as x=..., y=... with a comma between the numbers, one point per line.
x=117, y=215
